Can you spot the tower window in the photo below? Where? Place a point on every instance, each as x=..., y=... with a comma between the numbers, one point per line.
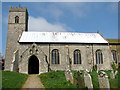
x=99, y=57
x=114, y=53
x=55, y=56
x=16, y=19
x=77, y=57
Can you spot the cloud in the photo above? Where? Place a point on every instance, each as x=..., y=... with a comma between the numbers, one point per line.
x=42, y=25
x=58, y=10
x=113, y=6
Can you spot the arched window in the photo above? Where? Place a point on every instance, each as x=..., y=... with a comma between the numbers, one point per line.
x=99, y=57
x=16, y=19
x=55, y=56
x=77, y=57
x=114, y=53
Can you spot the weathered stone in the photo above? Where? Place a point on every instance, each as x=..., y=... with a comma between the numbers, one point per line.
x=103, y=80
x=69, y=76
x=112, y=75
x=80, y=80
x=116, y=72
x=88, y=80
x=0, y=66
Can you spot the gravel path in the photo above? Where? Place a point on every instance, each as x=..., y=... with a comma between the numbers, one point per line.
x=33, y=81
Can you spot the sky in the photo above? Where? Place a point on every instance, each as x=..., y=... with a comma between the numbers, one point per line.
x=81, y=17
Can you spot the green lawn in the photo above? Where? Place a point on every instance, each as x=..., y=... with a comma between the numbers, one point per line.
x=55, y=79
x=13, y=79
x=114, y=82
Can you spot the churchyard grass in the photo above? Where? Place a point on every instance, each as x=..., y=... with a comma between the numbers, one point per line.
x=13, y=79
x=114, y=83
x=95, y=81
x=75, y=75
x=55, y=79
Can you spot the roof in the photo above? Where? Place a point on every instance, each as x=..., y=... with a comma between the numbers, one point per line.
x=113, y=40
x=61, y=37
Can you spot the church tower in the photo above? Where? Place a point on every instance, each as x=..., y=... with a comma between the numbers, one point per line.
x=17, y=23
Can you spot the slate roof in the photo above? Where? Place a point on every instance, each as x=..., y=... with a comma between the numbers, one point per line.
x=61, y=37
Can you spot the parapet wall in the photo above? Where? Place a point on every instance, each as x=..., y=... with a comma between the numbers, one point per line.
x=17, y=9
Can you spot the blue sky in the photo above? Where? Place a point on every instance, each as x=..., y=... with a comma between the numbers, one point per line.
x=82, y=17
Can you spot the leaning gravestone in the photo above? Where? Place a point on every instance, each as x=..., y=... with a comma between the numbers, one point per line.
x=80, y=80
x=103, y=80
x=69, y=76
x=116, y=72
x=87, y=79
x=112, y=75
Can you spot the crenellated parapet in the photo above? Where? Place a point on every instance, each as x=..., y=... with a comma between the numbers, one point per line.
x=17, y=9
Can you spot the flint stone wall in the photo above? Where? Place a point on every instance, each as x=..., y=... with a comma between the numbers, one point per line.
x=46, y=49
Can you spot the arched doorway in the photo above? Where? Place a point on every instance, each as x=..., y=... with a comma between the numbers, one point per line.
x=33, y=65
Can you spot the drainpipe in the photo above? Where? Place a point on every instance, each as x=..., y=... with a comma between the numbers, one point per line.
x=49, y=59
x=69, y=57
x=93, y=56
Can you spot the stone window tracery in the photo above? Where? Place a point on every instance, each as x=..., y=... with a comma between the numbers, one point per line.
x=77, y=57
x=99, y=57
x=114, y=53
x=55, y=56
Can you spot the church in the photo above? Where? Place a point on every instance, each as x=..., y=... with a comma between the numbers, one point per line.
x=40, y=52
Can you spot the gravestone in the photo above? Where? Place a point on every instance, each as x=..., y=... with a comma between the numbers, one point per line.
x=116, y=72
x=112, y=75
x=119, y=65
x=69, y=76
x=1, y=61
x=87, y=79
x=80, y=80
x=103, y=80
x=0, y=65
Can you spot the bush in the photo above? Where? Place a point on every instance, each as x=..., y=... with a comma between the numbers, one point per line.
x=75, y=75
x=95, y=80
x=113, y=67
